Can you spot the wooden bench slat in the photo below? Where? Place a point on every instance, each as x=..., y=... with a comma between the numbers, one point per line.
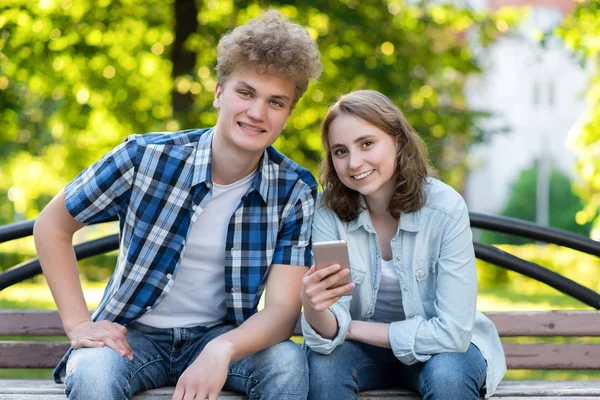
x=30, y=323
x=506, y=390
x=546, y=323
x=552, y=356
x=518, y=356
x=15, y=354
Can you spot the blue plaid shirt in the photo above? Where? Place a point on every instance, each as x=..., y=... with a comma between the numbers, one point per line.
x=158, y=184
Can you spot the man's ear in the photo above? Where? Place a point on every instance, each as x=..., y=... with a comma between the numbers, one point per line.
x=218, y=93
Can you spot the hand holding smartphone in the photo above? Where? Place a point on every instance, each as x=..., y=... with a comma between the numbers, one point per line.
x=333, y=252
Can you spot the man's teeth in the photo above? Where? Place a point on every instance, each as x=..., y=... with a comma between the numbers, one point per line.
x=363, y=175
x=251, y=127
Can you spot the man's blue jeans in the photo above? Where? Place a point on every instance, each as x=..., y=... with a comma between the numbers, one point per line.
x=161, y=355
x=354, y=367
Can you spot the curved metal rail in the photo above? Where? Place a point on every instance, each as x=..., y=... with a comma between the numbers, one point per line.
x=31, y=268
x=490, y=254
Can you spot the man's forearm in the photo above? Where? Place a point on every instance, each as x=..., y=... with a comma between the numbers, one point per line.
x=264, y=329
x=57, y=258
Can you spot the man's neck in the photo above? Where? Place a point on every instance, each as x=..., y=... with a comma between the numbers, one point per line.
x=229, y=165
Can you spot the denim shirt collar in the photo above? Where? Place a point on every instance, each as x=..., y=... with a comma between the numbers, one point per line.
x=409, y=222
x=202, y=166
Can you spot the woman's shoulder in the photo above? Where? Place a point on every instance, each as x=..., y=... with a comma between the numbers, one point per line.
x=322, y=209
x=441, y=196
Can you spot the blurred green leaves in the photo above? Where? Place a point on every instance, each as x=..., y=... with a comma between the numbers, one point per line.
x=76, y=77
x=581, y=32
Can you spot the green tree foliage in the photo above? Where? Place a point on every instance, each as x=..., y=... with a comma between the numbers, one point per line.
x=581, y=31
x=564, y=206
x=78, y=76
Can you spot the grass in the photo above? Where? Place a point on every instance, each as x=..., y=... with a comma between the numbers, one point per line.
x=519, y=296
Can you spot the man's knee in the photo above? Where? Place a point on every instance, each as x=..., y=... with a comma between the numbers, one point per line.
x=97, y=373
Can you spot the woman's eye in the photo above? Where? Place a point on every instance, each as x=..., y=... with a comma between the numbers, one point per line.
x=367, y=144
x=339, y=152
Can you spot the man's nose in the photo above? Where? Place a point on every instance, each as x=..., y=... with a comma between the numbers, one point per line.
x=257, y=110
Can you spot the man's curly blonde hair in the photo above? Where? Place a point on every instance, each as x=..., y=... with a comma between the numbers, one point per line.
x=274, y=45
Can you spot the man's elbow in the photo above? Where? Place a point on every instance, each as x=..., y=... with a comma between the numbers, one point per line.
x=40, y=227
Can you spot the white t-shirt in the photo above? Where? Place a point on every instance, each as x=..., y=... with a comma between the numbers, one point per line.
x=388, y=307
x=198, y=293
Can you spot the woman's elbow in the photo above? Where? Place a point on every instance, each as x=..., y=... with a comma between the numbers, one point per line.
x=460, y=340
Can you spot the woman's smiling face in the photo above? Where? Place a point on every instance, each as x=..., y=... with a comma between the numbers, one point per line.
x=364, y=156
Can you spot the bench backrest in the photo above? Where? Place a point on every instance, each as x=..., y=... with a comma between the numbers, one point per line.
x=46, y=354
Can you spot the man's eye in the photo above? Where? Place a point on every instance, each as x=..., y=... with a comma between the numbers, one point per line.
x=244, y=93
x=276, y=104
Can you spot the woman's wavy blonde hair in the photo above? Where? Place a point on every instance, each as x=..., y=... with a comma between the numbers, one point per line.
x=412, y=162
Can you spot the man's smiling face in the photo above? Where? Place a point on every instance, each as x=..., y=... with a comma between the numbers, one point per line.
x=253, y=109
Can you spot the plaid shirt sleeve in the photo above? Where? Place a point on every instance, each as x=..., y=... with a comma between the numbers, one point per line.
x=293, y=242
x=102, y=190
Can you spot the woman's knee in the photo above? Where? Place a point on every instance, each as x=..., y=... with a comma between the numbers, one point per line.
x=279, y=369
x=453, y=376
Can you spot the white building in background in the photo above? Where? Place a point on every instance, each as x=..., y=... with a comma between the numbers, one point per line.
x=537, y=92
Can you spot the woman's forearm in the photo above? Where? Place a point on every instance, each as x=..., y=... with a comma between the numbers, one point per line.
x=323, y=322
x=373, y=333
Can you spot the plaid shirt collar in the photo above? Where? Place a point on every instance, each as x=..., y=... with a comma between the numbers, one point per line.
x=203, y=164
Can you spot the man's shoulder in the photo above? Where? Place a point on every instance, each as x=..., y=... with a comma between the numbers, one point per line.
x=180, y=138
x=289, y=169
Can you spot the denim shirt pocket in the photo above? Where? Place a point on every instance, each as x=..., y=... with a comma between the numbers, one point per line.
x=357, y=274
x=425, y=275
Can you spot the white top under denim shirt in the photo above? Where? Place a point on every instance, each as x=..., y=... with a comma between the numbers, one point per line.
x=434, y=260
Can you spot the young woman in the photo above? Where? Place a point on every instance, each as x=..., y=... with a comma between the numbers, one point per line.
x=411, y=320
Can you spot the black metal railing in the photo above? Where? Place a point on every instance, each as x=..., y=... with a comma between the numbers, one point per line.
x=493, y=255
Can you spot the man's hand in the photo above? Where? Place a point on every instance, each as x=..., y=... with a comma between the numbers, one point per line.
x=206, y=376
x=100, y=334
x=317, y=291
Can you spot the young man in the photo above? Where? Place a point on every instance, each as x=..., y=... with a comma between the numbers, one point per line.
x=208, y=219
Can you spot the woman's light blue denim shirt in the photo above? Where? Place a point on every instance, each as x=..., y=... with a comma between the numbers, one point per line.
x=435, y=264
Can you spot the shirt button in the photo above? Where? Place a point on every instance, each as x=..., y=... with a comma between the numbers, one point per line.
x=398, y=258
x=233, y=290
x=405, y=289
x=169, y=276
x=149, y=308
x=368, y=226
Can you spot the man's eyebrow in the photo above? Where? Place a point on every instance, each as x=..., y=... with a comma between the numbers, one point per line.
x=253, y=90
x=246, y=86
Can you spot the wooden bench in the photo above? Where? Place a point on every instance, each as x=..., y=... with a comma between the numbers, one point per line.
x=31, y=354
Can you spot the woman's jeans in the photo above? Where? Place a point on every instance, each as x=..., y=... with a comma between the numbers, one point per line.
x=354, y=367
x=160, y=356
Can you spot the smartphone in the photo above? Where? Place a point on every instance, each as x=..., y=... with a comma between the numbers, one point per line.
x=333, y=252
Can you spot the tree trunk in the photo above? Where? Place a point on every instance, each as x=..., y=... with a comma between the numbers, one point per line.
x=184, y=61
